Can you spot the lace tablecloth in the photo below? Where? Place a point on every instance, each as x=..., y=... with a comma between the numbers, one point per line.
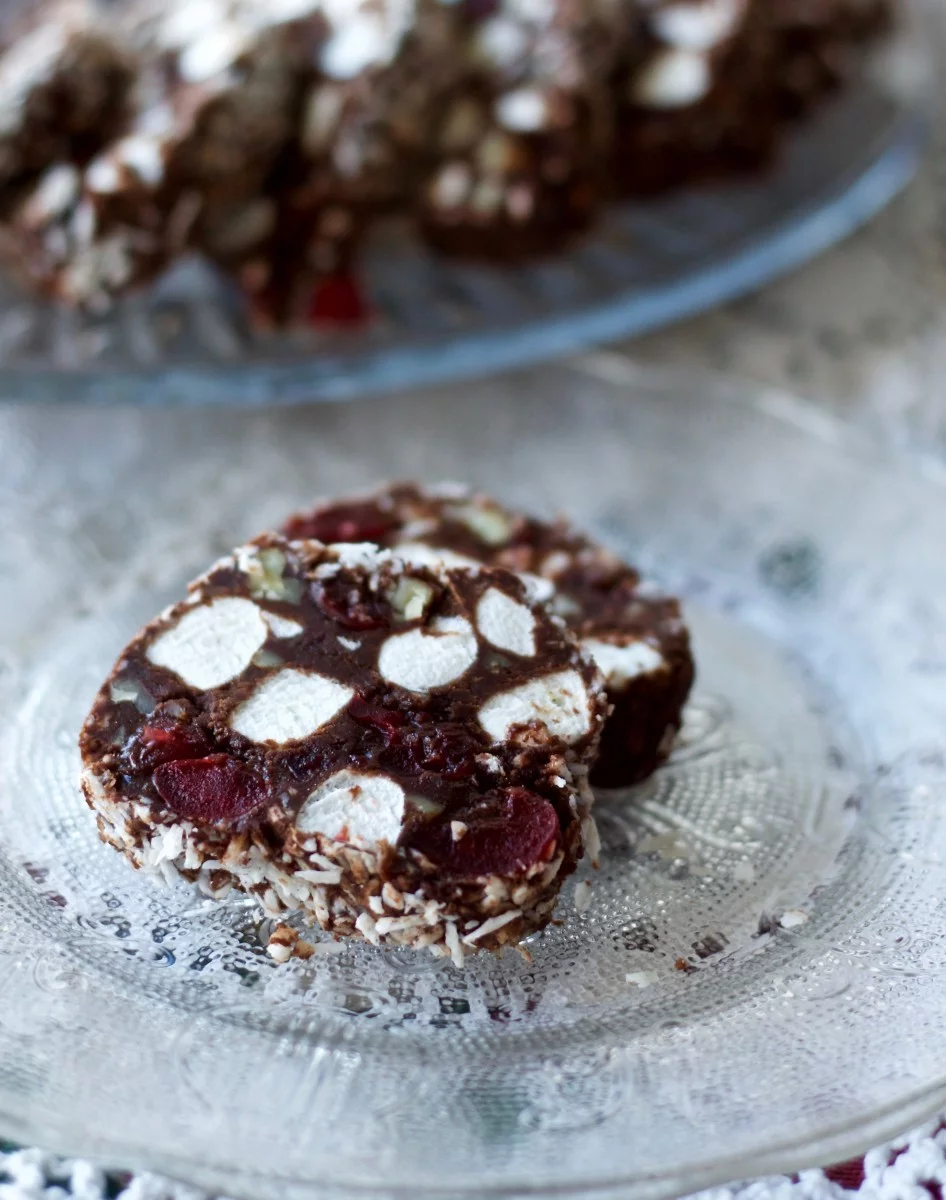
x=861, y=333
x=912, y=1167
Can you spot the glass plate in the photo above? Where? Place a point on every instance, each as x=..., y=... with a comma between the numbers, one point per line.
x=758, y=982
x=185, y=340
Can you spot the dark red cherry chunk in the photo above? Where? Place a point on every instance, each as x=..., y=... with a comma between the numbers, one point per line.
x=446, y=749
x=309, y=760
x=350, y=604
x=414, y=742
x=343, y=523
x=337, y=300
x=507, y=832
x=388, y=720
x=213, y=790
x=157, y=744
x=475, y=11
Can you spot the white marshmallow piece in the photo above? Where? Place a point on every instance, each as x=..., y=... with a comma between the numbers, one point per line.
x=354, y=807
x=361, y=42
x=212, y=54
x=451, y=185
x=502, y=42
x=697, y=26
x=103, y=177
x=364, y=555
x=322, y=111
x=490, y=524
x=522, y=111
x=555, y=564
x=282, y=627
x=620, y=664
x=419, y=554
x=559, y=701
x=182, y=23
x=673, y=79
x=539, y=589
x=288, y=706
x=211, y=644
x=422, y=659
x=505, y=623
x=57, y=191
x=143, y=155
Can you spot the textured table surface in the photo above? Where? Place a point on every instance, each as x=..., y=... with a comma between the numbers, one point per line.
x=859, y=334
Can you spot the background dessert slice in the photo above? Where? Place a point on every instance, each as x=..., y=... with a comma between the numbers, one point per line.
x=272, y=137
x=707, y=88
x=398, y=752
x=213, y=108
x=523, y=150
x=637, y=636
x=65, y=80
x=364, y=137
x=525, y=184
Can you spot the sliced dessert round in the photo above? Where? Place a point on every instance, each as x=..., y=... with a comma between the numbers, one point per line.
x=66, y=80
x=636, y=635
x=399, y=752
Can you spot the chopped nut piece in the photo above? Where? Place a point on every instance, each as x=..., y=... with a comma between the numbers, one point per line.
x=410, y=598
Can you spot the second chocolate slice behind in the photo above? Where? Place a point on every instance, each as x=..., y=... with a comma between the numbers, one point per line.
x=637, y=637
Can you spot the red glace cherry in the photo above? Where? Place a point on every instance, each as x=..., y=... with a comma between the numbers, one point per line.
x=217, y=789
x=388, y=720
x=479, y=10
x=350, y=604
x=414, y=743
x=446, y=749
x=342, y=523
x=507, y=832
x=338, y=300
x=157, y=744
